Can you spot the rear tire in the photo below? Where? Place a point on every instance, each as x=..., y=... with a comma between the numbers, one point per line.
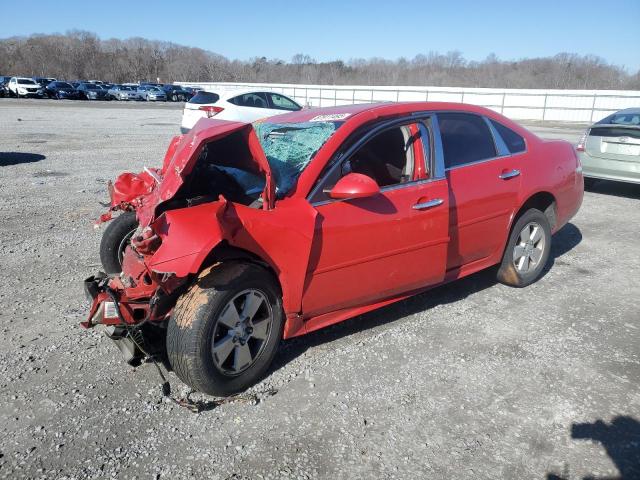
x=215, y=344
x=527, y=250
x=115, y=239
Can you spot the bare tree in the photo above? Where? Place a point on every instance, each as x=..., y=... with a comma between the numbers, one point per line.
x=82, y=55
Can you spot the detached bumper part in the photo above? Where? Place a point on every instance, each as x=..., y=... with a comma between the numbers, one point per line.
x=92, y=286
x=123, y=338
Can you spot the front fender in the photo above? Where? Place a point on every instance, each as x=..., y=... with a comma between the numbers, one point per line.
x=281, y=237
x=188, y=235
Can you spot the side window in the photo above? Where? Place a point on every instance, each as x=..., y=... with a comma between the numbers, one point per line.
x=253, y=100
x=282, y=103
x=513, y=141
x=387, y=157
x=466, y=138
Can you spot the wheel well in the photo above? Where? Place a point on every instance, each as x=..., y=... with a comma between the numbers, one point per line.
x=224, y=252
x=543, y=201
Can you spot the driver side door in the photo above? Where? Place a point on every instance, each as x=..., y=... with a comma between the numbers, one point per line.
x=370, y=249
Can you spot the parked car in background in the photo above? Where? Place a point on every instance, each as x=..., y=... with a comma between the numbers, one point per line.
x=4, y=87
x=92, y=91
x=250, y=233
x=24, y=87
x=151, y=93
x=61, y=90
x=235, y=105
x=44, y=81
x=123, y=92
x=610, y=148
x=176, y=93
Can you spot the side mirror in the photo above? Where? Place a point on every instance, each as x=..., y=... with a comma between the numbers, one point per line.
x=354, y=185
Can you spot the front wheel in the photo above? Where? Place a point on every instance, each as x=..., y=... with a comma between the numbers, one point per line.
x=115, y=239
x=224, y=332
x=527, y=250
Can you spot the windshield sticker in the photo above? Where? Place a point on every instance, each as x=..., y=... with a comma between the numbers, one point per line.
x=330, y=117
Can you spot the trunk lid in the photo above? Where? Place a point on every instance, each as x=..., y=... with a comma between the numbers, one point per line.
x=614, y=142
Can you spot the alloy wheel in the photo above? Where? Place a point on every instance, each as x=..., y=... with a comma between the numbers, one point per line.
x=241, y=331
x=529, y=248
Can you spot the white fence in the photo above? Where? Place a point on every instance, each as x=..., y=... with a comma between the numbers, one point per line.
x=527, y=104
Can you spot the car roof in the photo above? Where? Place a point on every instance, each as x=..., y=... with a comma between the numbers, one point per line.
x=230, y=92
x=632, y=111
x=349, y=112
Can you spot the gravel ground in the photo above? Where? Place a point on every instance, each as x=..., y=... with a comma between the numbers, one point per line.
x=470, y=380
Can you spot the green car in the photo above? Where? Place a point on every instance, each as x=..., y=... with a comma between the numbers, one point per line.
x=610, y=148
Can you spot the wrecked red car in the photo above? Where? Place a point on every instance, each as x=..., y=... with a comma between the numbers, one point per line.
x=249, y=234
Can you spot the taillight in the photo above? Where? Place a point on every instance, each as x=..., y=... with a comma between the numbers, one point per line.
x=210, y=110
x=582, y=141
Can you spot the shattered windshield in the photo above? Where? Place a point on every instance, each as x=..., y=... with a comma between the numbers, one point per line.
x=290, y=147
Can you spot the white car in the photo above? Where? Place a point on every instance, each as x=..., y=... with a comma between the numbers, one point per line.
x=235, y=105
x=24, y=87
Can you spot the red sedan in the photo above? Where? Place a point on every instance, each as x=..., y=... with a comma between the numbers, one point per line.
x=251, y=233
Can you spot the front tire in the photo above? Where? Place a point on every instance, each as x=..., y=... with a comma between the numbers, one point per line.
x=225, y=331
x=527, y=250
x=115, y=239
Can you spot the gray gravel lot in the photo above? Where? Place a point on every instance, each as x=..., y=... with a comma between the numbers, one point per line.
x=470, y=380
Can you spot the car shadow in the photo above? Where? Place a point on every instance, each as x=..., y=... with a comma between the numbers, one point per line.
x=620, y=439
x=618, y=189
x=17, y=158
x=564, y=240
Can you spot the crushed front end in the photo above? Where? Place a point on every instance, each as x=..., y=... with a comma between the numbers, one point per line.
x=179, y=209
x=134, y=305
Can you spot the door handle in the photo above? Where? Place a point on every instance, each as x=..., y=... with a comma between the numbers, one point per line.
x=430, y=204
x=509, y=174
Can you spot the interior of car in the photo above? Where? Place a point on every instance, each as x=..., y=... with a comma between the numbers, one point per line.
x=387, y=157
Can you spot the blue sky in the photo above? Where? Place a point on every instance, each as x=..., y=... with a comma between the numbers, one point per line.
x=332, y=29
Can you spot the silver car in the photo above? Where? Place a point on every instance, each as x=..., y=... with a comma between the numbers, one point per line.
x=610, y=148
x=151, y=93
x=123, y=92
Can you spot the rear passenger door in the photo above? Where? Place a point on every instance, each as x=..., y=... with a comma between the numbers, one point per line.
x=484, y=182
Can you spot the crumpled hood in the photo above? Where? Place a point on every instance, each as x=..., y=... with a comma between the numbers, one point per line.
x=183, y=153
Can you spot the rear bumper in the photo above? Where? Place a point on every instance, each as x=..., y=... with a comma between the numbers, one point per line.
x=610, y=169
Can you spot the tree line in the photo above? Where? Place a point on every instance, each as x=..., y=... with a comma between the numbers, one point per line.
x=83, y=55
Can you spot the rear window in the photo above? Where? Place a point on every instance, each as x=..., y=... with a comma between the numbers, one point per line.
x=622, y=119
x=205, y=97
x=513, y=141
x=614, y=132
